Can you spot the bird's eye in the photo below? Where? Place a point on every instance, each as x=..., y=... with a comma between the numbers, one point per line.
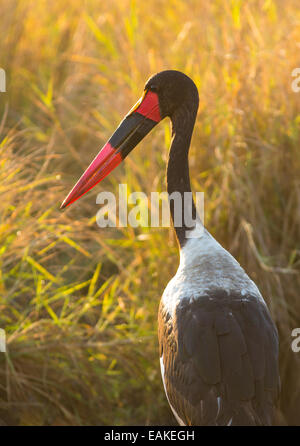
x=153, y=88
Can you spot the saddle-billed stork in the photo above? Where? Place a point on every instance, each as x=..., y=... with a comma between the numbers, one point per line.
x=218, y=344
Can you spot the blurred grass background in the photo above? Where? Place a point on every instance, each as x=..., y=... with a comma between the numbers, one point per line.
x=79, y=303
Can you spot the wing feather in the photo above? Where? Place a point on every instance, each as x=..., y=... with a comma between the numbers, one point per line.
x=220, y=354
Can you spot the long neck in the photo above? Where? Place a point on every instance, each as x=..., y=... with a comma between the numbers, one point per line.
x=178, y=178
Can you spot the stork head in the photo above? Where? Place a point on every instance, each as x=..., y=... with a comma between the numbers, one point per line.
x=164, y=94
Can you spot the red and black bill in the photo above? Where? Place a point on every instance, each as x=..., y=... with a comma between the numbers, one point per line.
x=136, y=125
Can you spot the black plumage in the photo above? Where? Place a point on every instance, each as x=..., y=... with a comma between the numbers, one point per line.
x=220, y=345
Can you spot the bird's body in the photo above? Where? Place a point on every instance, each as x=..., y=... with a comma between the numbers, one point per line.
x=218, y=344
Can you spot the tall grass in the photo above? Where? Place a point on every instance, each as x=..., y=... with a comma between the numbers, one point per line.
x=78, y=303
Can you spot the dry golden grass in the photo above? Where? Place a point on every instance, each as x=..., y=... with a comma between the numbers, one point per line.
x=78, y=303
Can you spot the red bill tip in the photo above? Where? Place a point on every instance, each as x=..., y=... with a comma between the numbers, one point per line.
x=100, y=167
